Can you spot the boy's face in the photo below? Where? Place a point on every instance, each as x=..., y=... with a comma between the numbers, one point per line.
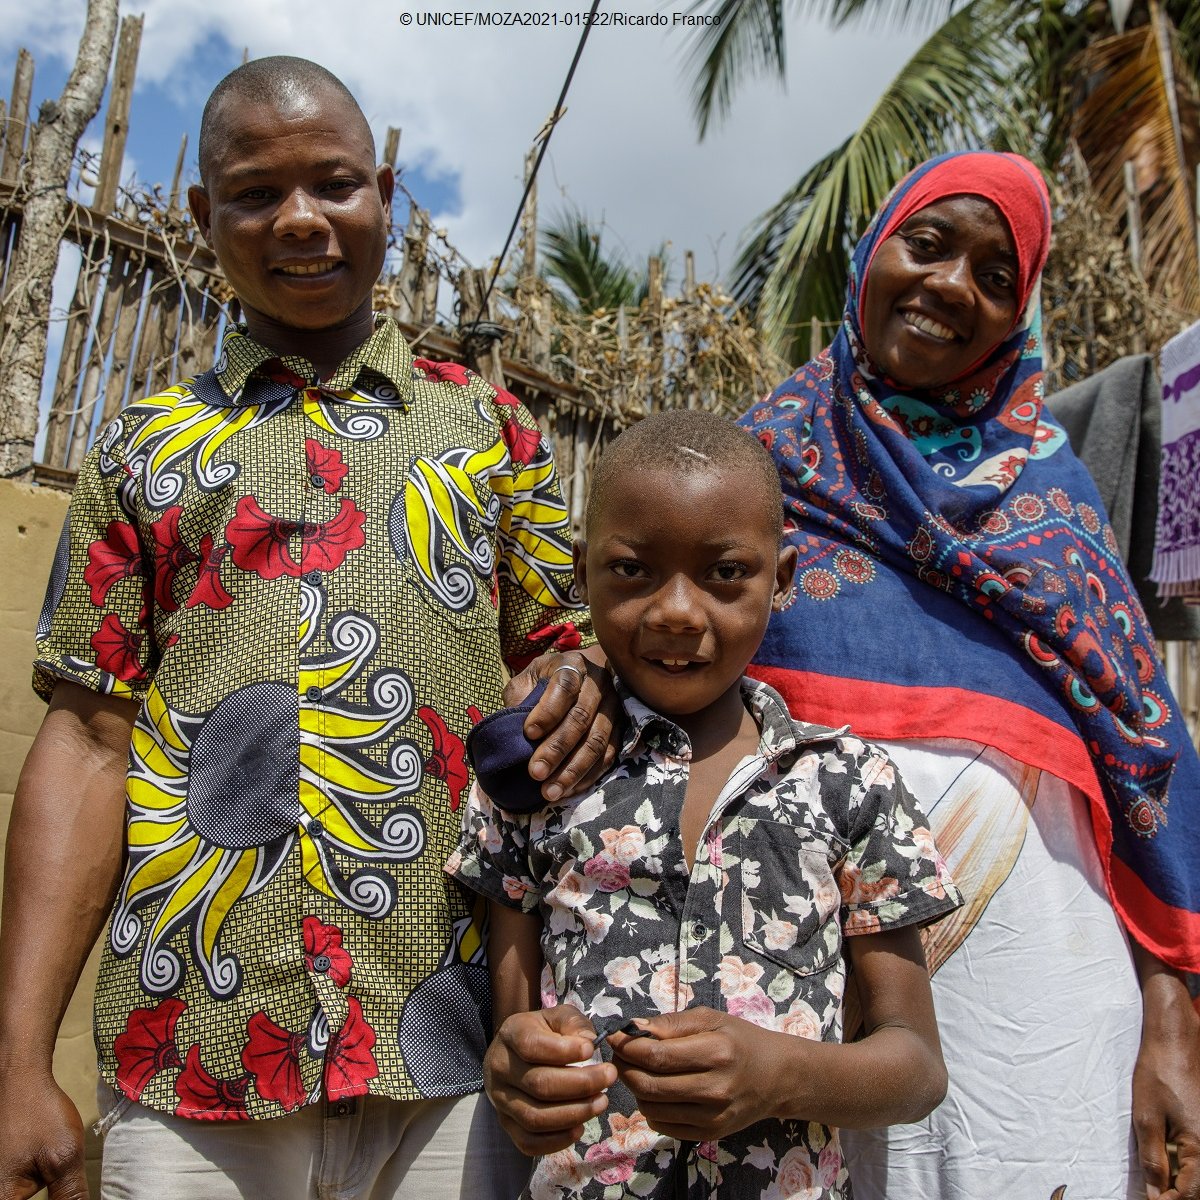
x=682, y=571
x=295, y=210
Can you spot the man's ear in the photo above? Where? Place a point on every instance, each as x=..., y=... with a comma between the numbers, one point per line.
x=579, y=554
x=785, y=572
x=385, y=179
x=201, y=207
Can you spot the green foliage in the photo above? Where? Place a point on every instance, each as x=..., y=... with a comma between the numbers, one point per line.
x=587, y=278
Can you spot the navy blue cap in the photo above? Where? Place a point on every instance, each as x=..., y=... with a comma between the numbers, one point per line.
x=500, y=752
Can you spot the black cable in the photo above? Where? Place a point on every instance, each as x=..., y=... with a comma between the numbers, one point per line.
x=554, y=119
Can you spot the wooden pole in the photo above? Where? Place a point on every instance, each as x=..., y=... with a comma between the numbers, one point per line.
x=116, y=124
x=391, y=146
x=814, y=337
x=18, y=116
x=173, y=203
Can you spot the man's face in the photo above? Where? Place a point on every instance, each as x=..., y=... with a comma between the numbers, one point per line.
x=295, y=210
x=681, y=589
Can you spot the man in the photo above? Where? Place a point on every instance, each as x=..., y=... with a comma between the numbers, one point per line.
x=283, y=591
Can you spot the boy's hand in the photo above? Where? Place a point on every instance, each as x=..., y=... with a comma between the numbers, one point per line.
x=540, y=1100
x=578, y=718
x=702, y=1075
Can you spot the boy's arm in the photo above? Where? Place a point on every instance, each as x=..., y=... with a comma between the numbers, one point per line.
x=62, y=867
x=705, y=1074
x=540, y=1100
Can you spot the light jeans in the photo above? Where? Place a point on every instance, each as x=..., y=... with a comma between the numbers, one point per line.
x=446, y=1149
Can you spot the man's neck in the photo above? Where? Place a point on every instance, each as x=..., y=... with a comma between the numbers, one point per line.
x=325, y=348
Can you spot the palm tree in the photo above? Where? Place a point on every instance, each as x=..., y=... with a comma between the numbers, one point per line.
x=1103, y=81
x=588, y=278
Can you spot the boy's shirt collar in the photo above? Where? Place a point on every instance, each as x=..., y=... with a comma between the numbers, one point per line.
x=247, y=368
x=778, y=732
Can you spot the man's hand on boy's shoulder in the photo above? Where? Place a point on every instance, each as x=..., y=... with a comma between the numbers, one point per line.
x=577, y=719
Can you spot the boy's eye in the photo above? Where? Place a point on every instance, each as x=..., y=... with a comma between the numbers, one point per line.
x=627, y=568
x=728, y=572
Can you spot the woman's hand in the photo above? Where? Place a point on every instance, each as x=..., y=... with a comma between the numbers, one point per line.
x=1166, y=1082
x=541, y=1101
x=578, y=718
x=702, y=1074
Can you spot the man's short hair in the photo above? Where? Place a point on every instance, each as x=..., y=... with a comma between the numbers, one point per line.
x=686, y=440
x=275, y=80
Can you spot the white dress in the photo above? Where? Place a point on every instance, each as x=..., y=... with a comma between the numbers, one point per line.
x=1037, y=999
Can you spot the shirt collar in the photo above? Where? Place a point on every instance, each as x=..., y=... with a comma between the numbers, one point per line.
x=778, y=733
x=246, y=368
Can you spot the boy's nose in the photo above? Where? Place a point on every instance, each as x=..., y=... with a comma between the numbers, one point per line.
x=675, y=607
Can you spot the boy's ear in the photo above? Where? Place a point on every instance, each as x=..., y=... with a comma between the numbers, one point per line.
x=785, y=572
x=579, y=554
x=201, y=207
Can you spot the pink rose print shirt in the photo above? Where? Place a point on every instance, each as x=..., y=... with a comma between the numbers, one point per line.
x=813, y=839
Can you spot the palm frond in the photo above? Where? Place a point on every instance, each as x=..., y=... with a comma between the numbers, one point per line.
x=1142, y=109
x=590, y=279
x=797, y=254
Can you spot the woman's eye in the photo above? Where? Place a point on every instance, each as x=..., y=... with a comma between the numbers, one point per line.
x=921, y=243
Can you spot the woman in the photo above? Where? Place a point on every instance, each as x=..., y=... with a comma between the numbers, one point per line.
x=959, y=596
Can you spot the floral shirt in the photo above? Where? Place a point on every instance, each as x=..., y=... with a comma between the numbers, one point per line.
x=812, y=839
x=308, y=588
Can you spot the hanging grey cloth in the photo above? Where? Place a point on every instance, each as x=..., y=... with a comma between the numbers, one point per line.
x=1114, y=423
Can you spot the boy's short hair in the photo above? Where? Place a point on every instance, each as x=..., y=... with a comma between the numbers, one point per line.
x=686, y=440
x=267, y=81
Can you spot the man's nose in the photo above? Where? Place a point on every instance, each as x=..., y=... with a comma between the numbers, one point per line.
x=299, y=215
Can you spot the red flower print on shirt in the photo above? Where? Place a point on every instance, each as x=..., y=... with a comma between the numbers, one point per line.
x=448, y=761
x=147, y=1046
x=321, y=940
x=349, y=1063
x=260, y=541
x=117, y=649
x=114, y=557
x=205, y=1098
x=171, y=555
x=272, y=1056
x=506, y=398
x=443, y=372
x=276, y=372
x=522, y=443
x=209, y=589
x=325, y=464
x=326, y=545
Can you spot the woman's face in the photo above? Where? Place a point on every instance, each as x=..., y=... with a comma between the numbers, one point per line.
x=941, y=292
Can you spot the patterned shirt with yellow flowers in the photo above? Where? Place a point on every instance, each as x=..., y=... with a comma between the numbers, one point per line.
x=311, y=589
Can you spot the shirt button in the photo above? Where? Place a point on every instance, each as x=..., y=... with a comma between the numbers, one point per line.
x=316, y=481
x=314, y=578
x=313, y=693
x=321, y=963
x=315, y=828
x=699, y=931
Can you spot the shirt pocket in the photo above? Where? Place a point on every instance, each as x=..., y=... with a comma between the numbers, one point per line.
x=790, y=901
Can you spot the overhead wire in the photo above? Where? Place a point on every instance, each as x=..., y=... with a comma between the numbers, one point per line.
x=548, y=128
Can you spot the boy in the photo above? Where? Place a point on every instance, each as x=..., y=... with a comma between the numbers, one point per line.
x=702, y=889
x=281, y=588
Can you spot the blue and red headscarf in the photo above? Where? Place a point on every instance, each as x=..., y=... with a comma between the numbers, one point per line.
x=958, y=576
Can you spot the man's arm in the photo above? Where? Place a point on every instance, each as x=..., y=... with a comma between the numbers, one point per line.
x=63, y=864
x=705, y=1074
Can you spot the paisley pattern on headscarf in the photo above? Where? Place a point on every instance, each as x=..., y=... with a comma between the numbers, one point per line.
x=958, y=577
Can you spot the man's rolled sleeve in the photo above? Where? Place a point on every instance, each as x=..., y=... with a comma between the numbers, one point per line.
x=95, y=626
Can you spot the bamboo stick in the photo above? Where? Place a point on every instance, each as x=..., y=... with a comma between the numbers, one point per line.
x=116, y=124
x=17, y=124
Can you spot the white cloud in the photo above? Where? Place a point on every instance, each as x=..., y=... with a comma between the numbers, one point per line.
x=470, y=100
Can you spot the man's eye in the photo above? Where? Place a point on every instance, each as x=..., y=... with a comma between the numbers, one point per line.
x=627, y=569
